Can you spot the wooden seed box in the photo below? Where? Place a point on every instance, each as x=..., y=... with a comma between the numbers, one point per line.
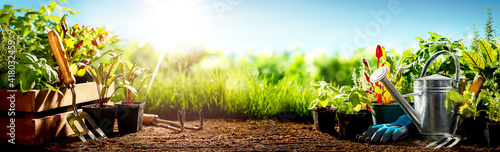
x=40, y=115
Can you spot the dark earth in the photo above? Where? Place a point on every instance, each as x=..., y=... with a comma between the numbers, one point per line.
x=234, y=135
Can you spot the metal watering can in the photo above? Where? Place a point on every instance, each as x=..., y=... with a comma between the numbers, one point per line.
x=431, y=115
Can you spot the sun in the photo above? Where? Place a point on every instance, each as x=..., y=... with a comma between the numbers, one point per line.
x=171, y=22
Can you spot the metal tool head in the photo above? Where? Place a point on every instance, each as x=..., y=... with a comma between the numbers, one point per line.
x=446, y=141
x=80, y=117
x=72, y=117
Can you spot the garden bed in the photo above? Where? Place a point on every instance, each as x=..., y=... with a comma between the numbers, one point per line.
x=235, y=135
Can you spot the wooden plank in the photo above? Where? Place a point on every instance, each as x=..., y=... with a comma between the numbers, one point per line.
x=45, y=99
x=36, y=131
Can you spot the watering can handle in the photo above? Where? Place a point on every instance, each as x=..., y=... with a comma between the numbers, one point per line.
x=457, y=66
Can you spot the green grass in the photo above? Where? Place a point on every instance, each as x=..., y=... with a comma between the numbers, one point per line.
x=231, y=93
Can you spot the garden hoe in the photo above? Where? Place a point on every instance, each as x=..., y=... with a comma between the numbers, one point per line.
x=69, y=81
x=149, y=119
x=152, y=119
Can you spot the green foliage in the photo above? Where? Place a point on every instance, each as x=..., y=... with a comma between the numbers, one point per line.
x=85, y=44
x=492, y=101
x=488, y=30
x=36, y=65
x=327, y=94
x=129, y=73
x=31, y=72
x=346, y=98
x=104, y=77
x=469, y=104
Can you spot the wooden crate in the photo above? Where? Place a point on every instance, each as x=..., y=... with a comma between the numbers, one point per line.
x=40, y=115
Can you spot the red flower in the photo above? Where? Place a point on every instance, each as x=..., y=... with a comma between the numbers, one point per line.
x=379, y=54
x=95, y=42
x=101, y=37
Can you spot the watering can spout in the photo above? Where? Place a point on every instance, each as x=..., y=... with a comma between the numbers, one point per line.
x=381, y=75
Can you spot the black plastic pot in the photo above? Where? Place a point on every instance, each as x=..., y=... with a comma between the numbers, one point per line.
x=104, y=117
x=386, y=113
x=130, y=116
x=352, y=124
x=324, y=120
x=479, y=131
x=492, y=134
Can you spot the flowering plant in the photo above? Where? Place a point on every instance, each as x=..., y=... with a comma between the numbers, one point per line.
x=85, y=45
x=377, y=89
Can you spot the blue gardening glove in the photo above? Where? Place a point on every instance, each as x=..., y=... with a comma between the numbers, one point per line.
x=388, y=132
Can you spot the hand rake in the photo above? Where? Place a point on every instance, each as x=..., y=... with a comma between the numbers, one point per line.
x=69, y=81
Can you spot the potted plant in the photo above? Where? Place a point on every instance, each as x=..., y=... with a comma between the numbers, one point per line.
x=481, y=110
x=353, y=112
x=130, y=112
x=324, y=114
x=104, y=115
x=385, y=110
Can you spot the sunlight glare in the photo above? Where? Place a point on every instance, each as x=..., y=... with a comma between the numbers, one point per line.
x=174, y=21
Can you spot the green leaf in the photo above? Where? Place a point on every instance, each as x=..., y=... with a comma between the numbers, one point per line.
x=314, y=103
x=434, y=36
x=112, y=79
x=354, y=98
x=80, y=72
x=406, y=54
x=129, y=87
x=52, y=88
x=52, y=7
x=26, y=58
x=27, y=80
x=315, y=84
x=323, y=103
x=146, y=77
x=455, y=96
x=491, y=55
x=473, y=59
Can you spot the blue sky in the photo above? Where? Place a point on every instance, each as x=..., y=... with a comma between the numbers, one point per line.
x=264, y=25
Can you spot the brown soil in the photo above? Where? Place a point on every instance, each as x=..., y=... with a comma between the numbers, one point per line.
x=235, y=135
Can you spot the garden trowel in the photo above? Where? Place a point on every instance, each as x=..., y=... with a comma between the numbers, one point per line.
x=68, y=79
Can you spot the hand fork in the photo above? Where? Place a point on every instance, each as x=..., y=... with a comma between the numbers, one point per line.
x=69, y=81
x=449, y=137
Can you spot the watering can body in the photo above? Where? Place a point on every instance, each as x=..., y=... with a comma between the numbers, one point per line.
x=432, y=115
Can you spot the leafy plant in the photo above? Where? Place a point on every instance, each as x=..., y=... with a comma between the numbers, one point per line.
x=469, y=104
x=36, y=64
x=327, y=94
x=129, y=73
x=345, y=98
x=492, y=101
x=85, y=44
x=104, y=77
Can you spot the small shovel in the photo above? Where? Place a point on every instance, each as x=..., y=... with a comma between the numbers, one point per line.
x=68, y=79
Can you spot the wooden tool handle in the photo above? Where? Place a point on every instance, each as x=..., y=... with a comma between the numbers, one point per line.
x=476, y=85
x=149, y=119
x=59, y=53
